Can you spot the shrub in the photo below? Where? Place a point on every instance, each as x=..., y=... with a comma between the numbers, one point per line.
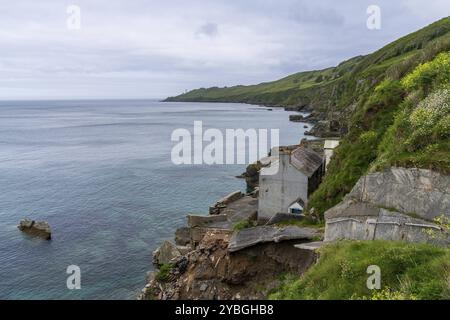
x=433, y=73
x=428, y=118
x=368, y=137
x=163, y=274
x=244, y=224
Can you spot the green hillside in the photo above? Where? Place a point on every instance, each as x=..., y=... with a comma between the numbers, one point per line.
x=393, y=104
x=295, y=90
x=339, y=86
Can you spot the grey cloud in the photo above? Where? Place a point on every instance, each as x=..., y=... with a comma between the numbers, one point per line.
x=208, y=29
x=141, y=48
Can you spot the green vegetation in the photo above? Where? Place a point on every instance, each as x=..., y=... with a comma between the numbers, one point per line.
x=299, y=89
x=244, y=224
x=164, y=273
x=395, y=103
x=408, y=271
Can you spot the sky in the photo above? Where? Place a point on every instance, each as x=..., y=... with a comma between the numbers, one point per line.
x=137, y=49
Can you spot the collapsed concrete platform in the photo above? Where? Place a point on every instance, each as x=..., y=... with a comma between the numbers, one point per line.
x=253, y=236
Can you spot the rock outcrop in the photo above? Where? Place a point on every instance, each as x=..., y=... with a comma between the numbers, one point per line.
x=39, y=229
x=397, y=204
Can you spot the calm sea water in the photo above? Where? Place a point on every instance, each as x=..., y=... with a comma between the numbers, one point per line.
x=100, y=173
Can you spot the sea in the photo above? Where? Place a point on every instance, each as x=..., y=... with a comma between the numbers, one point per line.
x=101, y=174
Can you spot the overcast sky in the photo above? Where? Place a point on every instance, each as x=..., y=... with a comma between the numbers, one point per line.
x=154, y=49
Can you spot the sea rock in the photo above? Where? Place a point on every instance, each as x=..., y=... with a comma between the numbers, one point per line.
x=39, y=229
x=166, y=253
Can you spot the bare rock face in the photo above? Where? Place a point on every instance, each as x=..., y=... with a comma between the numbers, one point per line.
x=38, y=229
x=397, y=204
x=424, y=193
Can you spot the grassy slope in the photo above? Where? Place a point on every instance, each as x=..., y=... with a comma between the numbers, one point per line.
x=408, y=271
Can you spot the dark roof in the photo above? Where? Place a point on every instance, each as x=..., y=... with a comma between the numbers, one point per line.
x=306, y=160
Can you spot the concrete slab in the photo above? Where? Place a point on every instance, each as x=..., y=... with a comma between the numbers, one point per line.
x=263, y=234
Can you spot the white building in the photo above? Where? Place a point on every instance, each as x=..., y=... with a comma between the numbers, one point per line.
x=285, y=185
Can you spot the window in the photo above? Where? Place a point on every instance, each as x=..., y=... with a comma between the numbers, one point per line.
x=296, y=208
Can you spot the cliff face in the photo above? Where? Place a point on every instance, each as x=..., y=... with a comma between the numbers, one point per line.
x=211, y=272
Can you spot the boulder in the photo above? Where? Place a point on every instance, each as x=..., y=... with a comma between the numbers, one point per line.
x=166, y=253
x=38, y=229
